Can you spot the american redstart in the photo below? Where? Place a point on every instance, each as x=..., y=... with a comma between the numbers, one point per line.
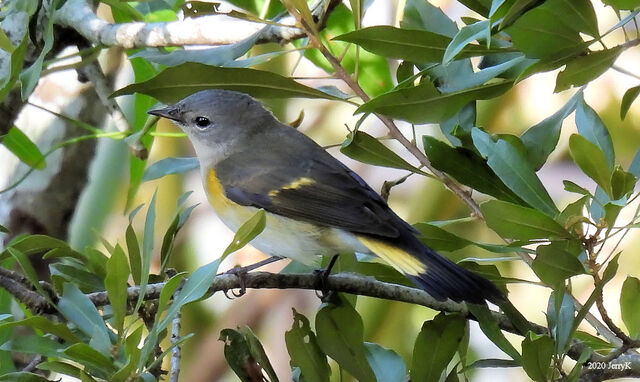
x=316, y=206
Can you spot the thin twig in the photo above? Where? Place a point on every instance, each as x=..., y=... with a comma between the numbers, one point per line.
x=176, y=355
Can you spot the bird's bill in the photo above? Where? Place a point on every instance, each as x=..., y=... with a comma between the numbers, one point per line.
x=169, y=112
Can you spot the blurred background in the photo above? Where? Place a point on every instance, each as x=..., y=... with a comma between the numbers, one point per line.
x=419, y=199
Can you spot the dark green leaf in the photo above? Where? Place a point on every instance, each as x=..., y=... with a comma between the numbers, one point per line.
x=27, y=269
x=22, y=147
x=33, y=344
x=77, y=308
x=557, y=261
x=258, y=353
x=88, y=356
x=629, y=302
x=543, y=32
x=560, y=313
x=425, y=104
x=116, y=286
x=133, y=356
x=591, y=161
x=29, y=77
x=513, y=168
x=17, y=61
x=60, y=368
x=572, y=187
x=627, y=99
x=468, y=168
x=175, y=83
x=491, y=329
x=584, y=69
x=492, y=363
x=595, y=343
x=435, y=346
x=439, y=239
x=305, y=352
x=520, y=223
x=591, y=127
x=542, y=138
x=422, y=15
x=147, y=249
x=573, y=213
x=238, y=356
x=340, y=334
x=247, y=232
x=387, y=365
x=76, y=273
x=466, y=35
x=133, y=248
x=537, y=351
x=404, y=71
x=22, y=376
x=623, y=5
x=516, y=10
x=170, y=166
x=622, y=183
x=3, y=229
x=45, y=325
x=367, y=149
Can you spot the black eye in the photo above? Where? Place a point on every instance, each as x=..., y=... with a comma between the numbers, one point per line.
x=202, y=122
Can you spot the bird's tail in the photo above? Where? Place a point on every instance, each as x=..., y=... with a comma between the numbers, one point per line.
x=436, y=275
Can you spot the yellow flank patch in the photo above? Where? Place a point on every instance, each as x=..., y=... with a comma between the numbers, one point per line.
x=396, y=257
x=215, y=191
x=293, y=185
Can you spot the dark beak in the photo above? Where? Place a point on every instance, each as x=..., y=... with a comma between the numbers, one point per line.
x=169, y=112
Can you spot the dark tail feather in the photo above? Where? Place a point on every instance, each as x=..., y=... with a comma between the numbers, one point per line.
x=444, y=279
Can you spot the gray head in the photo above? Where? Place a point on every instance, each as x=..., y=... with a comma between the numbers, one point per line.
x=215, y=120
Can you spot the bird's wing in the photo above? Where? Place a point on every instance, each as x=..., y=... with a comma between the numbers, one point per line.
x=317, y=189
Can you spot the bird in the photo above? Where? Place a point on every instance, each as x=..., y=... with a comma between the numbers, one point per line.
x=315, y=205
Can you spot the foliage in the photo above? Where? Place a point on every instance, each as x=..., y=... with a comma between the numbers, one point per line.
x=436, y=82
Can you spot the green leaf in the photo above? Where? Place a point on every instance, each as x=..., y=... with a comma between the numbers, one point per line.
x=591, y=161
x=439, y=239
x=572, y=187
x=387, y=365
x=537, y=351
x=340, y=333
x=422, y=15
x=22, y=147
x=468, y=168
x=28, y=270
x=238, y=356
x=629, y=302
x=170, y=166
x=560, y=314
x=116, y=286
x=133, y=248
x=17, y=61
x=77, y=308
x=591, y=127
x=490, y=328
x=520, y=223
x=22, y=376
x=513, y=168
x=465, y=36
x=60, y=368
x=425, y=104
x=542, y=138
x=367, y=149
x=169, y=237
x=557, y=261
x=544, y=33
x=147, y=249
x=418, y=46
x=247, y=232
x=175, y=83
x=583, y=69
x=304, y=350
x=33, y=344
x=88, y=356
x=45, y=325
x=622, y=183
x=623, y=5
x=435, y=346
x=133, y=356
x=29, y=77
x=627, y=99
x=258, y=353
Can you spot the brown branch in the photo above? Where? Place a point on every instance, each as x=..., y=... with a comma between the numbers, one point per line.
x=20, y=288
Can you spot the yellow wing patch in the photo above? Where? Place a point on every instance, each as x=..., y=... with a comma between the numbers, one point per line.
x=396, y=257
x=293, y=185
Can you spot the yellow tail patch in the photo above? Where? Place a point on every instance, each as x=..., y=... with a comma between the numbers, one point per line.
x=396, y=257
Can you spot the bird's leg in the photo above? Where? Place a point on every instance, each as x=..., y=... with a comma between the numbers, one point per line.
x=240, y=272
x=323, y=276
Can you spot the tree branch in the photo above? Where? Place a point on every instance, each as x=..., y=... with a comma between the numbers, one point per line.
x=217, y=29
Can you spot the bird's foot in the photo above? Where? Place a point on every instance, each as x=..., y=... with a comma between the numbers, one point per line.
x=323, y=292
x=241, y=272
